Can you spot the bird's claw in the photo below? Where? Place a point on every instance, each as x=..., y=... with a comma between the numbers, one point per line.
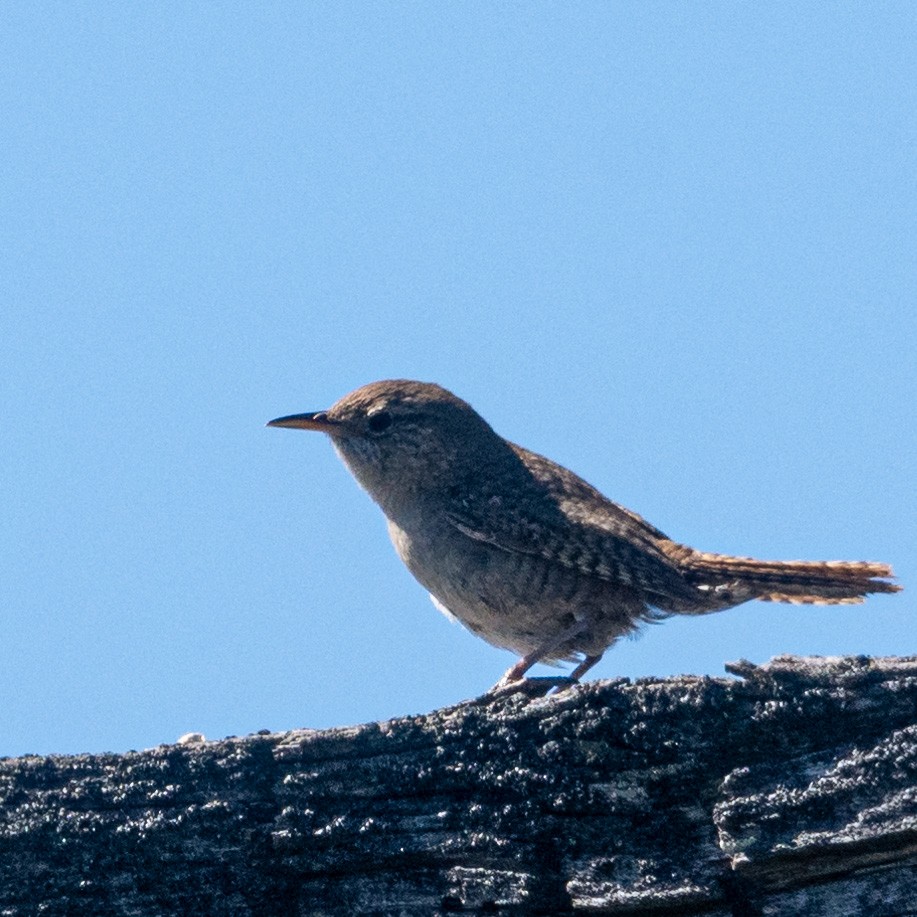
x=537, y=686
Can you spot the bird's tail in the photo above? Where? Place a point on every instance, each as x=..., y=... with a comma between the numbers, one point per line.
x=835, y=582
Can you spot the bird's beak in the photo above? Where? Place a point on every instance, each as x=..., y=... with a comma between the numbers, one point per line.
x=316, y=420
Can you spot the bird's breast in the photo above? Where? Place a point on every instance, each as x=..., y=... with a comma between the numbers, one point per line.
x=515, y=601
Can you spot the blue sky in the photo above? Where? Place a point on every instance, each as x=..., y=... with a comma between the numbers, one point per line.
x=671, y=246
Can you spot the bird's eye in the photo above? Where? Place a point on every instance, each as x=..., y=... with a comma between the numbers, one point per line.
x=379, y=421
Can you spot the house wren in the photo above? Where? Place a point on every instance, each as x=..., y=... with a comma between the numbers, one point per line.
x=526, y=554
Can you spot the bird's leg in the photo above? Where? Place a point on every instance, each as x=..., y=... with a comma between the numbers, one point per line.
x=516, y=673
x=574, y=677
x=585, y=666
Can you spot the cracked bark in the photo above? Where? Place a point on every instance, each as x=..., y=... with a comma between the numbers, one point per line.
x=791, y=790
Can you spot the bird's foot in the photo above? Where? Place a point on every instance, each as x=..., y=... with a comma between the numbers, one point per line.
x=515, y=681
x=537, y=686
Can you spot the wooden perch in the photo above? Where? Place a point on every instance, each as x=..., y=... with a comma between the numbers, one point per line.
x=791, y=790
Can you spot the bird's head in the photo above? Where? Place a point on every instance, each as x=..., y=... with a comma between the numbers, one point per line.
x=401, y=438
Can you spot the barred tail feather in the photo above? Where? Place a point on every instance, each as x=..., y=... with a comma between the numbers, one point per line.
x=835, y=582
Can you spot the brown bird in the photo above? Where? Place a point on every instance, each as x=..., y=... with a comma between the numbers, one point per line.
x=524, y=552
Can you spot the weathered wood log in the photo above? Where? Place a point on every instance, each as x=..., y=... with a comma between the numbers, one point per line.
x=792, y=790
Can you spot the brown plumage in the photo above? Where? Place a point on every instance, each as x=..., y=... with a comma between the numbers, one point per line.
x=524, y=552
x=799, y=582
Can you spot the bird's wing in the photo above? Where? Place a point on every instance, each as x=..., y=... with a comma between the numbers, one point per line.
x=575, y=527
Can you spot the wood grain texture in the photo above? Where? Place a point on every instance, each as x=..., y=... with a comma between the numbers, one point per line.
x=791, y=790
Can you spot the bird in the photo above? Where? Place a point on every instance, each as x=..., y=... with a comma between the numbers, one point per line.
x=525, y=553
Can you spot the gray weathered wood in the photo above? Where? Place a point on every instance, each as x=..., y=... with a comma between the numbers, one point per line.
x=791, y=790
